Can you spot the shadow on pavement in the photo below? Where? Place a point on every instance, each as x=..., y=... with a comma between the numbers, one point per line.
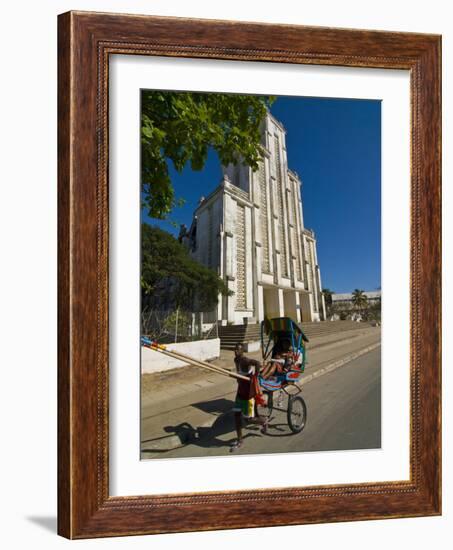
x=214, y=406
x=206, y=436
x=221, y=433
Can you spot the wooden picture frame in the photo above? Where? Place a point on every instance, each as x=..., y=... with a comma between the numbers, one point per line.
x=85, y=41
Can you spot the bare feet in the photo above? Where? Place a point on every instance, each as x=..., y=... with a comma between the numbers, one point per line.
x=236, y=445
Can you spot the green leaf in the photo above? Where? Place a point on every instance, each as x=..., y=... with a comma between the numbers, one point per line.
x=180, y=127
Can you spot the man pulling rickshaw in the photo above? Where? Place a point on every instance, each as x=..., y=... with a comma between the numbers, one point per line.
x=248, y=395
x=283, y=345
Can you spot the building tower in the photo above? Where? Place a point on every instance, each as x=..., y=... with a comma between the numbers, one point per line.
x=250, y=230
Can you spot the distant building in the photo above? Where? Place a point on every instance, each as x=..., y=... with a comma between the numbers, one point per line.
x=250, y=230
x=346, y=300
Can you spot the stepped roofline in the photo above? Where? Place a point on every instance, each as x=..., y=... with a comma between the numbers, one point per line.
x=276, y=121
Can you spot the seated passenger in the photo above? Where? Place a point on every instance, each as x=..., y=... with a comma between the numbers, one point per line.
x=281, y=347
x=276, y=364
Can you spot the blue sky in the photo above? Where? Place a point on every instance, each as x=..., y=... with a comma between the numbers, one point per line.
x=335, y=147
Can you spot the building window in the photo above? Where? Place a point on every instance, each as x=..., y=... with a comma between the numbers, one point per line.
x=263, y=218
x=297, y=248
x=281, y=203
x=241, y=290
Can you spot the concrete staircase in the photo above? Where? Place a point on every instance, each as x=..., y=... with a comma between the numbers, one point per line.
x=230, y=335
x=324, y=328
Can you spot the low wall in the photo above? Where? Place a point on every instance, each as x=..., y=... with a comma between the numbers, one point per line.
x=153, y=361
x=254, y=345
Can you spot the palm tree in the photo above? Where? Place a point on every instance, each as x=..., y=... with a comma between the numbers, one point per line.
x=359, y=299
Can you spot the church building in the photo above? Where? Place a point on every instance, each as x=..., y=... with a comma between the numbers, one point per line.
x=250, y=230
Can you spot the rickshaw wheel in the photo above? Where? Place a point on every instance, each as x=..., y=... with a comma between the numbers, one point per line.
x=266, y=410
x=297, y=414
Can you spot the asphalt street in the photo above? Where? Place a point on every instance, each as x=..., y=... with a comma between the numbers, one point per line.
x=344, y=413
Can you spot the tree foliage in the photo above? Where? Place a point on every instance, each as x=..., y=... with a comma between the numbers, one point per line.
x=181, y=126
x=359, y=298
x=328, y=299
x=327, y=296
x=171, y=277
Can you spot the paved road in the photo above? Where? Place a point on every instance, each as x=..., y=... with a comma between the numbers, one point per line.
x=344, y=412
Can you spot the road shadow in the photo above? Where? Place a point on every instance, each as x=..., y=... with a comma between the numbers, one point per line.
x=184, y=431
x=206, y=436
x=214, y=406
x=221, y=432
x=210, y=436
x=278, y=425
x=278, y=429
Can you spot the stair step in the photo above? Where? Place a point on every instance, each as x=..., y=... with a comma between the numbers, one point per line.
x=230, y=335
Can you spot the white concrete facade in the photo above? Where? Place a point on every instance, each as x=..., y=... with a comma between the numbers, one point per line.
x=251, y=231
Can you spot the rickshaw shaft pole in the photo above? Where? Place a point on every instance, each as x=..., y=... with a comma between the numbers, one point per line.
x=196, y=362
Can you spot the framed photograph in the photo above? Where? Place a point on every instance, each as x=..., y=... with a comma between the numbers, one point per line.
x=249, y=275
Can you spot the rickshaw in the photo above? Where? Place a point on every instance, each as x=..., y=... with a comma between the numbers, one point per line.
x=283, y=344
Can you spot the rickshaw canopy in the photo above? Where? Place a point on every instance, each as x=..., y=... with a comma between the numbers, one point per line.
x=281, y=332
x=281, y=326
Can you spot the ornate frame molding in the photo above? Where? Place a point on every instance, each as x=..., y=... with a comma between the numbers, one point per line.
x=86, y=40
